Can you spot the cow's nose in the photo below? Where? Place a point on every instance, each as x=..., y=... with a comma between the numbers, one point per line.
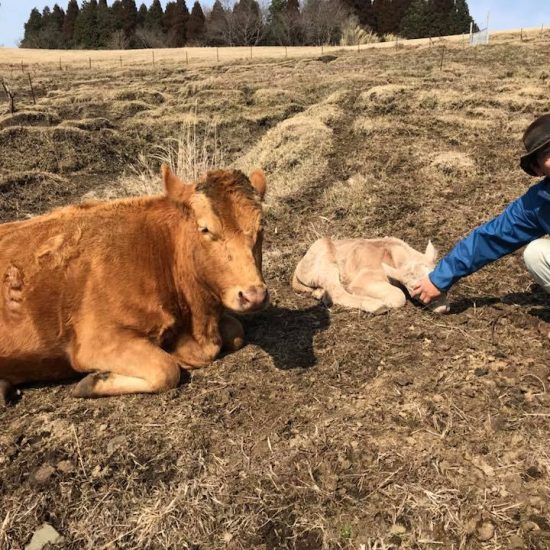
x=254, y=296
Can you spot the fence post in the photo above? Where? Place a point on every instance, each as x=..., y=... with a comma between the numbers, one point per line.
x=286, y=52
x=90, y=62
x=187, y=58
x=121, y=61
x=442, y=56
x=153, y=52
x=471, y=31
x=250, y=52
x=60, y=66
x=22, y=70
x=218, y=54
x=32, y=89
x=521, y=34
x=322, y=49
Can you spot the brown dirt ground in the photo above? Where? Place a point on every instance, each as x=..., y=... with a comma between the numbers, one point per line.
x=331, y=428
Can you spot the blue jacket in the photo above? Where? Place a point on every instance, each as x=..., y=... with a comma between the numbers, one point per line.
x=523, y=221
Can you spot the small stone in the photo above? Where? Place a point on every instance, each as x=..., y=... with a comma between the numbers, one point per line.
x=43, y=474
x=486, y=531
x=481, y=371
x=115, y=444
x=403, y=381
x=398, y=529
x=65, y=466
x=516, y=542
x=44, y=535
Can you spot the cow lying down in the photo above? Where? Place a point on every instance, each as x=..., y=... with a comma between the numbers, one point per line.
x=131, y=290
x=364, y=273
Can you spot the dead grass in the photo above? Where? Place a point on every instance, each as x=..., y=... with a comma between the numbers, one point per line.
x=330, y=429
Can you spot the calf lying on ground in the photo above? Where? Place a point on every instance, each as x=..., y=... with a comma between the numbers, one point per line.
x=134, y=289
x=362, y=273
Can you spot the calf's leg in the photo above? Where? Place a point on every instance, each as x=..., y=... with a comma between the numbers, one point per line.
x=7, y=391
x=124, y=365
x=391, y=296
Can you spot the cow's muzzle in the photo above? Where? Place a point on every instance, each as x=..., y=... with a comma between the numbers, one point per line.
x=253, y=298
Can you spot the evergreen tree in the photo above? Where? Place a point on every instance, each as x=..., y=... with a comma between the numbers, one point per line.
x=69, y=22
x=217, y=25
x=51, y=34
x=440, y=17
x=33, y=28
x=416, y=23
x=129, y=18
x=105, y=25
x=153, y=19
x=141, y=15
x=384, y=15
x=460, y=18
x=85, y=27
x=175, y=22
x=196, y=24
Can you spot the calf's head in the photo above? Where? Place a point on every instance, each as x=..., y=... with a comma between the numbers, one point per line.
x=411, y=268
x=225, y=215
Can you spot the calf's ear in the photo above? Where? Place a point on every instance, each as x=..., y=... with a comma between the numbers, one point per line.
x=174, y=188
x=431, y=252
x=392, y=272
x=257, y=179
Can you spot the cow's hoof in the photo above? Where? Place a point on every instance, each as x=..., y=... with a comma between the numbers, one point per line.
x=7, y=393
x=86, y=387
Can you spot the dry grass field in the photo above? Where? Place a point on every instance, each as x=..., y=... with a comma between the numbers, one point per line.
x=331, y=429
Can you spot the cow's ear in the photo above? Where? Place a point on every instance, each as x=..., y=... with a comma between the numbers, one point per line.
x=431, y=252
x=174, y=188
x=257, y=179
x=392, y=272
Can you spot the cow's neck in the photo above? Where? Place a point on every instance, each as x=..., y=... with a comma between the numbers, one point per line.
x=198, y=304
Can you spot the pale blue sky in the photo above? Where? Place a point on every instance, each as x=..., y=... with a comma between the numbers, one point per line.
x=504, y=14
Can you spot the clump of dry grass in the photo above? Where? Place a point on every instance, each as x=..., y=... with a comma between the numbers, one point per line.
x=353, y=34
x=190, y=154
x=295, y=153
x=453, y=163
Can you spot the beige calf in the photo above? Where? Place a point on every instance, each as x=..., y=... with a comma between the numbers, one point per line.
x=366, y=274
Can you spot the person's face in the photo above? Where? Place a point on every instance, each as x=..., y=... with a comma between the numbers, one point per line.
x=542, y=163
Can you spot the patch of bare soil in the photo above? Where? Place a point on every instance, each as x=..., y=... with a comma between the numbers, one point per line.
x=331, y=428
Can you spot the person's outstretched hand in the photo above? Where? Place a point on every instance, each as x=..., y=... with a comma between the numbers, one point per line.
x=426, y=291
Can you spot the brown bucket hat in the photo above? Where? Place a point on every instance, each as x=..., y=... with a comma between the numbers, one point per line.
x=536, y=138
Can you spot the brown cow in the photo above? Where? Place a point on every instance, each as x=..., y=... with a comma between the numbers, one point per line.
x=130, y=290
x=360, y=273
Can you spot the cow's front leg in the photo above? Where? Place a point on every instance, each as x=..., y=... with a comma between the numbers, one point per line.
x=123, y=364
x=195, y=354
x=7, y=392
x=232, y=333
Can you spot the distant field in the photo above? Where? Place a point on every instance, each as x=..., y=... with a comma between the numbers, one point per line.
x=197, y=56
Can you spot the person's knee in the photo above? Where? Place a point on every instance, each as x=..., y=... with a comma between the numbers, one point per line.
x=537, y=255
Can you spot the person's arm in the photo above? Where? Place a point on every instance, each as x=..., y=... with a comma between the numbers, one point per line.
x=515, y=227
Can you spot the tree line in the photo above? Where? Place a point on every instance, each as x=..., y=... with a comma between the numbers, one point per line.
x=95, y=24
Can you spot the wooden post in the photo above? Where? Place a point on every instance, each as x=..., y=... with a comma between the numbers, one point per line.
x=250, y=52
x=11, y=97
x=32, y=89
x=22, y=70
x=471, y=31
x=187, y=58
x=286, y=52
x=121, y=61
x=60, y=66
x=521, y=34
x=90, y=62
x=322, y=49
x=442, y=56
x=396, y=41
x=217, y=54
x=153, y=52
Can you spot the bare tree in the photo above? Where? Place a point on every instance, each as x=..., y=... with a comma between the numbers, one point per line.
x=323, y=20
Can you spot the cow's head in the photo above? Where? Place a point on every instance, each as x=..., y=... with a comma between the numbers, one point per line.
x=413, y=269
x=225, y=211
